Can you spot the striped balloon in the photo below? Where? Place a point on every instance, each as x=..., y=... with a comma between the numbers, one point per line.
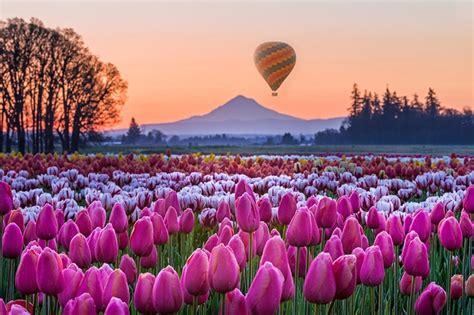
x=274, y=61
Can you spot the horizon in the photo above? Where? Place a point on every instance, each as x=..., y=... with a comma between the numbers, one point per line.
x=179, y=62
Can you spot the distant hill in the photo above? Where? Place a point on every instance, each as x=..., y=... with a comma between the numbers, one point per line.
x=243, y=116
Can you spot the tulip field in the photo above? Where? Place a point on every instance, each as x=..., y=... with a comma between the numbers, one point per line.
x=229, y=234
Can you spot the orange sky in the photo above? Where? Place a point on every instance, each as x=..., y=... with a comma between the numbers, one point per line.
x=183, y=58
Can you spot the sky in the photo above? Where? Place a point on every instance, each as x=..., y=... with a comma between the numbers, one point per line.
x=185, y=58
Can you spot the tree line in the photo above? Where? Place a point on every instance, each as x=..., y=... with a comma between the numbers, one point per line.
x=52, y=88
x=393, y=119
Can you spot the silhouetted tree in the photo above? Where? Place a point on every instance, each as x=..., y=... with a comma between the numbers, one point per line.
x=134, y=132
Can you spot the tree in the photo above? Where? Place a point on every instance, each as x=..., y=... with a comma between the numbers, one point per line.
x=134, y=133
x=288, y=139
x=432, y=103
x=354, y=109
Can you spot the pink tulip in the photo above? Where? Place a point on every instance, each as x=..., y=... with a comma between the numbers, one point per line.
x=291, y=253
x=167, y=293
x=350, y=237
x=431, y=300
x=264, y=294
x=437, y=213
x=118, y=218
x=171, y=200
x=92, y=285
x=262, y=235
x=83, y=305
x=286, y=208
x=395, y=229
x=171, y=220
x=72, y=280
x=320, y=284
x=421, y=224
x=235, y=303
x=359, y=253
x=6, y=198
x=116, y=286
x=195, y=280
x=466, y=225
x=49, y=275
x=84, y=223
x=143, y=294
x=223, y=211
x=315, y=231
x=373, y=219
x=16, y=217
x=186, y=221
x=415, y=260
x=470, y=286
x=241, y=188
x=247, y=215
x=141, y=239
x=189, y=299
x=457, y=285
x=211, y=242
x=238, y=248
x=12, y=241
x=355, y=201
x=384, y=241
x=25, y=277
x=225, y=234
x=468, y=201
x=129, y=268
x=116, y=307
x=265, y=209
x=406, y=284
x=327, y=213
x=160, y=231
x=67, y=232
x=245, y=237
x=106, y=250
x=299, y=231
x=223, y=269
x=151, y=260
x=46, y=224
x=30, y=233
x=344, y=206
x=60, y=217
x=372, y=270
x=3, y=308
x=80, y=252
x=97, y=214
x=334, y=247
x=345, y=269
x=450, y=234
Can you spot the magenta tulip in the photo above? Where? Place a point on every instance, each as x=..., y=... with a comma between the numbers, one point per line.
x=79, y=251
x=450, y=234
x=431, y=300
x=186, y=221
x=196, y=280
x=223, y=211
x=223, y=269
x=116, y=307
x=421, y=224
x=150, y=261
x=160, y=231
x=334, y=247
x=372, y=270
x=118, y=218
x=6, y=199
x=84, y=223
x=97, y=214
x=84, y=305
x=457, y=286
x=327, y=213
x=265, y=210
x=395, y=229
x=129, y=268
x=143, y=294
x=320, y=284
x=415, y=260
x=264, y=294
x=359, y=253
x=25, y=277
x=299, y=233
x=46, y=224
x=384, y=241
x=167, y=293
x=238, y=248
x=49, y=276
x=437, y=213
x=241, y=188
x=116, y=286
x=141, y=239
x=351, y=237
x=468, y=201
x=12, y=241
x=246, y=213
x=406, y=284
x=106, y=250
x=373, y=219
x=344, y=206
x=30, y=233
x=286, y=208
x=171, y=220
x=235, y=303
x=72, y=280
x=355, y=201
x=345, y=276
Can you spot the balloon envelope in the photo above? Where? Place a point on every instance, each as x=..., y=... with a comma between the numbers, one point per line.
x=274, y=61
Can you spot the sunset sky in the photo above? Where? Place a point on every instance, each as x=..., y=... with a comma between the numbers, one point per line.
x=186, y=58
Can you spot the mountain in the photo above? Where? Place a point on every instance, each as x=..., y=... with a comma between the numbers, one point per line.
x=244, y=116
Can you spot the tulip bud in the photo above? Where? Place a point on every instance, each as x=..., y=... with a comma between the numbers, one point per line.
x=360, y=256
x=67, y=232
x=286, y=208
x=12, y=241
x=247, y=215
x=107, y=246
x=470, y=286
x=16, y=217
x=468, y=201
x=25, y=278
x=211, y=242
x=6, y=199
x=116, y=307
x=118, y=218
x=355, y=201
x=350, y=237
x=151, y=260
x=84, y=223
x=415, y=260
x=334, y=247
x=97, y=214
x=262, y=235
x=344, y=206
x=30, y=232
x=167, y=293
x=223, y=211
x=143, y=294
x=223, y=269
x=372, y=270
x=327, y=213
x=421, y=224
x=83, y=304
x=373, y=218
x=72, y=280
x=457, y=284
x=437, y=213
x=466, y=225
x=241, y=188
x=171, y=220
x=116, y=287
x=238, y=248
x=265, y=209
x=225, y=234
x=3, y=308
x=47, y=224
x=431, y=300
x=345, y=269
x=186, y=221
x=395, y=229
x=384, y=241
x=129, y=268
x=235, y=303
x=299, y=233
x=320, y=284
x=92, y=285
x=264, y=294
x=79, y=251
x=49, y=275
x=141, y=239
x=195, y=280
x=406, y=284
x=160, y=231
x=450, y=234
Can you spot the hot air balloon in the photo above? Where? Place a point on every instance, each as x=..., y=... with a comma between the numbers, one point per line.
x=274, y=61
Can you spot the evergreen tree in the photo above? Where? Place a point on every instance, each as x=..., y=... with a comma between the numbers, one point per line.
x=433, y=105
x=355, y=107
x=134, y=132
x=416, y=104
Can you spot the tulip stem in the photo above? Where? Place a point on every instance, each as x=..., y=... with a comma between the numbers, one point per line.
x=223, y=303
x=295, y=305
x=412, y=294
x=250, y=258
x=331, y=306
x=372, y=302
x=448, y=288
x=194, y=305
x=380, y=299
